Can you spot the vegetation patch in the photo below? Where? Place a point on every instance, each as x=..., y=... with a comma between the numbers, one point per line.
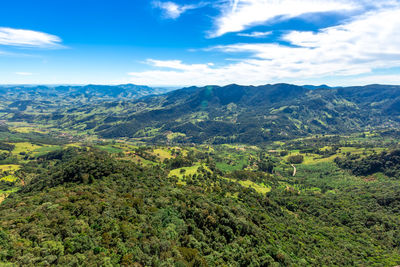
x=24, y=147
x=9, y=167
x=45, y=149
x=162, y=154
x=181, y=172
x=9, y=178
x=109, y=148
x=172, y=136
x=260, y=188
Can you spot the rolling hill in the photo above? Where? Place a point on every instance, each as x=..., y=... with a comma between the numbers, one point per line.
x=229, y=114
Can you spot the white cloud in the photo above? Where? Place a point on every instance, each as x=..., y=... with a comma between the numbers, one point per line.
x=24, y=73
x=172, y=10
x=256, y=34
x=28, y=38
x=238, y=15
x=178, y=65
x=178, y=73
x=370, y=41
x=378, y=79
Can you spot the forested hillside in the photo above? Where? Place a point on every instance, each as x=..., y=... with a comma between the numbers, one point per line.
x=75, y=92
x=31, y=103
x=87, y=207
x=386, y=162
x=212, y=114
x=204, y=155
x=274, y=175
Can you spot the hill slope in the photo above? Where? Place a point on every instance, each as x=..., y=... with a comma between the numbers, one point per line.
x=258, y=114
x=233, y=113
x=33, y=100
x=86, y=208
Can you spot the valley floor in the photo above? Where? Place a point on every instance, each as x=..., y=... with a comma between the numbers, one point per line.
x=310, y=201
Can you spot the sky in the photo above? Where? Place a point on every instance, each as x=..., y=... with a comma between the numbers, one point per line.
x=184, y=43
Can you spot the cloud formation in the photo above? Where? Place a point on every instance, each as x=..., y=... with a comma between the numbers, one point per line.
x=24, y=73
x=172, y=10
x=255, y=34
x=28, y=38
x=239, y=15
x=358, y=47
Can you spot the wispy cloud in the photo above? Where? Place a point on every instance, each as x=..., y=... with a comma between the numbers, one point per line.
x=358, y=47
x=239, y=15
x=178, y=65
x=174, y=72
x=28, y=38
x=21, y=73
x=173, y=10
x=256, y=34
x=381, y=79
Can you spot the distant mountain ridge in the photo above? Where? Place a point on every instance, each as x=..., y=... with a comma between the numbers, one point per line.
x=227, y=114
x=123, y=91
x=254, y=114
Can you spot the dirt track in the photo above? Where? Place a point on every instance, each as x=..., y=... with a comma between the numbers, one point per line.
x=2, y=197
x=294, y=170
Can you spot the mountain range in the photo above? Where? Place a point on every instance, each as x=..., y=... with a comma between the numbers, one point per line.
x=210, y=114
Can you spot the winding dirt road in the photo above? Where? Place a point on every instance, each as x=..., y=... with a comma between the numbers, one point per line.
x=294, y=170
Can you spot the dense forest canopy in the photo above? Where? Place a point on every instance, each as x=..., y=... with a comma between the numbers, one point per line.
x=274, y=175
x=387, y=162
x=84, y=206
x=211, y=114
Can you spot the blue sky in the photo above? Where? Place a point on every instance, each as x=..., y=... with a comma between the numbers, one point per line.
x=180, y=43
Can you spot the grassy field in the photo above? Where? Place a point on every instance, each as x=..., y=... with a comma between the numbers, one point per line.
x=27, y=129
x=172, y=136
x=9, y=178
x=162, y=153
x=184, y=171
x=234, y=157
x=74, y=145
x=5, y=193
x=137, y=159
x=24, y=147
x=310, y=158
x=45, y=149
x=260, y=188
x=110, y=148
x=226, y=167
x=10, y=167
